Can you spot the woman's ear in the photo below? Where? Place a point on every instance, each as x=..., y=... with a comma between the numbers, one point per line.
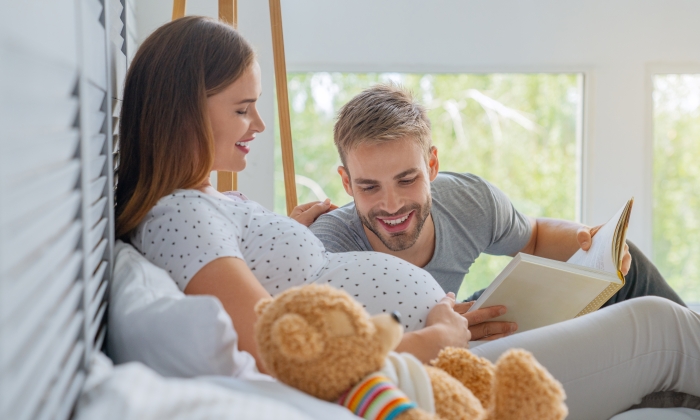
x=296, y=339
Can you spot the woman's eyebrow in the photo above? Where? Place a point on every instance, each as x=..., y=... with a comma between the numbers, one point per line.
x=247, y=101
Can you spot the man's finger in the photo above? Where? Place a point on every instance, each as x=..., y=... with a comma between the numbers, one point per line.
x=492, y=329
x=626, y=260
x=463, y=307
x=595, y=230
x=484, y=314
x=494, y=337
x=583, y=236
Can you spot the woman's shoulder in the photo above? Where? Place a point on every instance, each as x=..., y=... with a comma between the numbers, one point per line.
x=185, y=208
x=191, y=197
x=195, y=200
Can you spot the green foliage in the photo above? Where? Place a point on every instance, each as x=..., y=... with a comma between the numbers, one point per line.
x=676, y=213
x=517, y=131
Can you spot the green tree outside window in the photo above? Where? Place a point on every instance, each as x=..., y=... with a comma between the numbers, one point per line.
x=676, y=211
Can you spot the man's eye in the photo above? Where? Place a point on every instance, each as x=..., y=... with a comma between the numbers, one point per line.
x=407, y=181
x=367, y=189
x=245, y=111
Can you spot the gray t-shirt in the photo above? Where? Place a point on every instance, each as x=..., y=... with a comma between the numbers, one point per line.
x=471, y=216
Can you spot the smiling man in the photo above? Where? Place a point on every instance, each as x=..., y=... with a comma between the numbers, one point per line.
x=441, y=221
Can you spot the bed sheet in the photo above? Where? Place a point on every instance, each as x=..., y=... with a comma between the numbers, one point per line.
x=134, y=391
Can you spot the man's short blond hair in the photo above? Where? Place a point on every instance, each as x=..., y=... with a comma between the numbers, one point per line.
x=381, y=114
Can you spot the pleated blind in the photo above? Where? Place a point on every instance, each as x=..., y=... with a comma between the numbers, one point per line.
x=58, y=72
x=95, y=127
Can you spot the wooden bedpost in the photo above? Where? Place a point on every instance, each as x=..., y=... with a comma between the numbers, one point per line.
x=228, y=12
x=179, y=8
x=283, y=105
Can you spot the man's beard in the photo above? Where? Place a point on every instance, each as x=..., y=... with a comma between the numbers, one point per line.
x=399, y=241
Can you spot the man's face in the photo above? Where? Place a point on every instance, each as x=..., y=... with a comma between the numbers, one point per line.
x=390, y=183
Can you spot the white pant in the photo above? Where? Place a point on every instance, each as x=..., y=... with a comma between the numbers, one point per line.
x=609, y=360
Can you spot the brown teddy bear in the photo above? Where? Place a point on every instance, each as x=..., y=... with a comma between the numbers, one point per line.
x=320, y=340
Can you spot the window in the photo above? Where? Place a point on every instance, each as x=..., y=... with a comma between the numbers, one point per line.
x=519, y=131
x=676, y=203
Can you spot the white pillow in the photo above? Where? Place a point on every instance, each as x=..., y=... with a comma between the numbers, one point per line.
x=151, y=321
x=133, y=391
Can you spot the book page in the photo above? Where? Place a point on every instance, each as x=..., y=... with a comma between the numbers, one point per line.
x=539, y=292
x=600, y=254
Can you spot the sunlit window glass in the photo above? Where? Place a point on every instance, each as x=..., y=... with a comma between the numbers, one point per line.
x=519, y=131
x=676, y=217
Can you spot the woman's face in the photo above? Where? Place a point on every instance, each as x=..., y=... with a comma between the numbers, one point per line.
x=235, y=120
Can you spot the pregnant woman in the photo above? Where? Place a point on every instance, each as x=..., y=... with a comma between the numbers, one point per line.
x=190, y=108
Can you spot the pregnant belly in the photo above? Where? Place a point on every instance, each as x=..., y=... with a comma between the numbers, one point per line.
x=383, y=283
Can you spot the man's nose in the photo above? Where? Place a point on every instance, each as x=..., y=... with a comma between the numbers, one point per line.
x=392, y=201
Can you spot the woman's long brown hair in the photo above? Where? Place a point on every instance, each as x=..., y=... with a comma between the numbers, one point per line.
x=165, y=138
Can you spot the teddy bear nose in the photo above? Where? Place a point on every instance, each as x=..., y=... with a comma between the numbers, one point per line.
x=396, y=316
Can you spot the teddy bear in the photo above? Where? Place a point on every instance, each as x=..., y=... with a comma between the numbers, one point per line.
x=319, y=340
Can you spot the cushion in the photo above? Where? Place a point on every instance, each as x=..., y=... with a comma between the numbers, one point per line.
x=151, y=321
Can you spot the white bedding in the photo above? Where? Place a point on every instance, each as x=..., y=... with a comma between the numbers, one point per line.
x=133, y=391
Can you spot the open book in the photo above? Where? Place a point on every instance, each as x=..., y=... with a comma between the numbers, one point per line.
x=538, y=291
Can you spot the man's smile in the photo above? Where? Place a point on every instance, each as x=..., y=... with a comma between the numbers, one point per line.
x=395, y=224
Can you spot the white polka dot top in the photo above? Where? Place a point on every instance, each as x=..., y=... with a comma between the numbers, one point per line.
x=188, y=229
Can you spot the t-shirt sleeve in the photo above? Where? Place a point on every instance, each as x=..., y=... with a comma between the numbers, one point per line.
x=511, y=229
x=336, y=234
x=183, y=234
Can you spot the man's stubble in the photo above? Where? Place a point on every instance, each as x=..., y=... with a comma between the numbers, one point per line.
x=398, y=241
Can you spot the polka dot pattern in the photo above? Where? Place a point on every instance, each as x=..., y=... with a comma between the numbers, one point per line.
x=188, y=229
x=383, y=283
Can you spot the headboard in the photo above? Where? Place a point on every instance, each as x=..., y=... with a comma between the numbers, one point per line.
x=62, y=65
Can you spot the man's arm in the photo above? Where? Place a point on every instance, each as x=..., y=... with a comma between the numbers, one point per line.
x=560, y=239
x=553, y=238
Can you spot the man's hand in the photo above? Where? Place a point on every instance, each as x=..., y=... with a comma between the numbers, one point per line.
x=585, y=238
x=479, y=328
x=307, y=213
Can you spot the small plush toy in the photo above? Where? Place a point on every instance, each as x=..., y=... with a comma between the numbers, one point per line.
x=320, y=340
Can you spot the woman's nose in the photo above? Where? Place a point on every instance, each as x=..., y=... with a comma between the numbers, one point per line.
x=258, y=124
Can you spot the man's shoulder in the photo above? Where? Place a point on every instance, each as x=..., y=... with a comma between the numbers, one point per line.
x=449, y=186
x=340, y=220
x=340, y=230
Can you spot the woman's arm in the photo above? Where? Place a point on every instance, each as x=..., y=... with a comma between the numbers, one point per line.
x=230, y=280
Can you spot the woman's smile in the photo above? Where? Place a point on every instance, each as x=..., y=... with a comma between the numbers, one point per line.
x=244, y=145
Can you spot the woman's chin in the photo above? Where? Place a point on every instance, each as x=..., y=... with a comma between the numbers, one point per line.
x=232, y=167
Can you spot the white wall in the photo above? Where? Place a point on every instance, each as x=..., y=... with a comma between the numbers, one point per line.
x=617, y=44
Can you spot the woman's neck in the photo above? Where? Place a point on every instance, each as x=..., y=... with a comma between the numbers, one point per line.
x=208, y=189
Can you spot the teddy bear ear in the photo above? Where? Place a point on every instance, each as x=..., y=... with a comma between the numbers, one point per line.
x=261, y=305
x=296, y=339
